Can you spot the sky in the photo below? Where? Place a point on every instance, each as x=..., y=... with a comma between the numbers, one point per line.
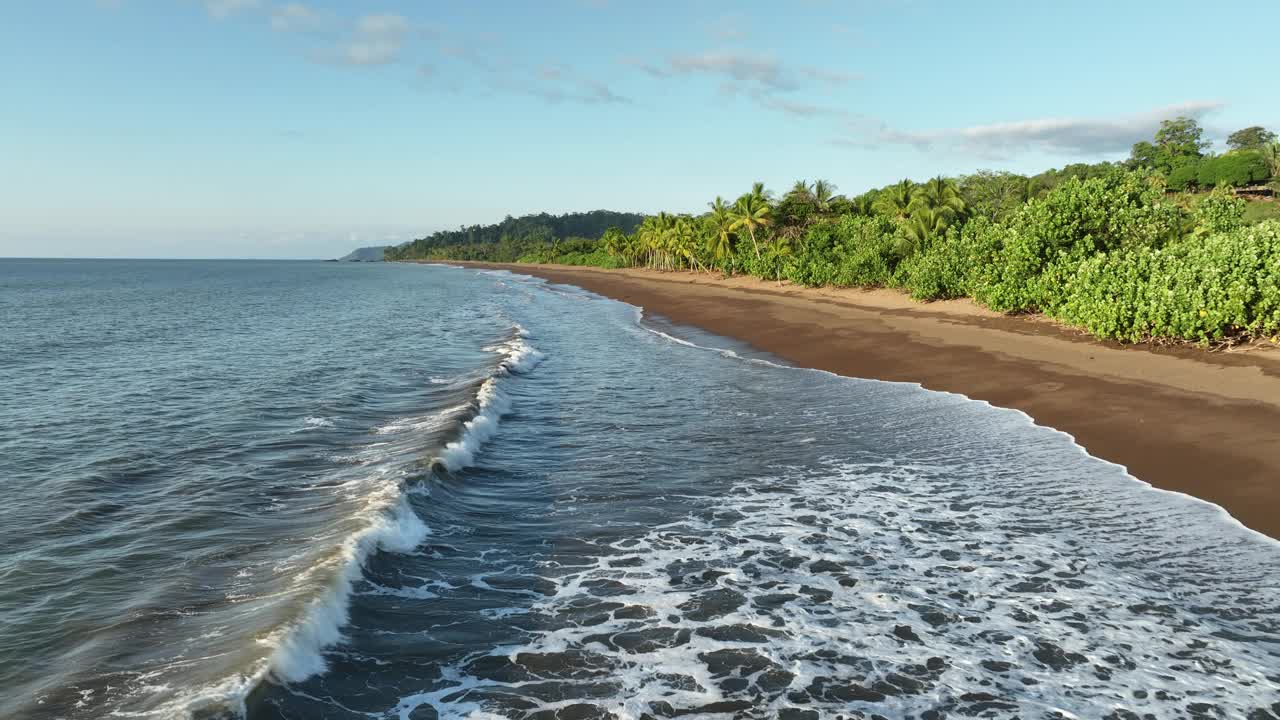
x=256, y=128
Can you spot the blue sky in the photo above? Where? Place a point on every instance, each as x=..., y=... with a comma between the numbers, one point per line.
x=255, y=128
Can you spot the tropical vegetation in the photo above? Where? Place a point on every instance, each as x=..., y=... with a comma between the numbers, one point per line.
x=1156, y=248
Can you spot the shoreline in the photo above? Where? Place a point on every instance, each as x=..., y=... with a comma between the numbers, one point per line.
x=1180, y=419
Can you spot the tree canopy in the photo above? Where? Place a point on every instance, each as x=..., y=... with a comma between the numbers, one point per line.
x=1251, y=138
x=1135, y=251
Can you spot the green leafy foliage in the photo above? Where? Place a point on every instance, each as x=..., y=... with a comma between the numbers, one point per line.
x=1205, y=290
x=1185, y=175
x=994, y=195
x=956, y=265
x=1237, y=169
x=1074, y=221
x=1251, y=138
x=512, y=238
x=1177, y=141
x=1219, y=211
x=1120, y=250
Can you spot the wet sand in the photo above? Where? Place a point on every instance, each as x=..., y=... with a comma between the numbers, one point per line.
x=1182, y=419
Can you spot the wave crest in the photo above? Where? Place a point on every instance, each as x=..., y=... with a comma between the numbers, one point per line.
x=491, y=403
x=392, y=526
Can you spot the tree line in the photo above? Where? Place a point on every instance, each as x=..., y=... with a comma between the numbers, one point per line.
x=1154, y=248
x=509, y=240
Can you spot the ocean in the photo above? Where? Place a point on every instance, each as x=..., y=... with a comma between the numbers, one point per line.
x=276, y=490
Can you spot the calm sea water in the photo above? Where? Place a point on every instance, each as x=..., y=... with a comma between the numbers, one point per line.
x=310, y=490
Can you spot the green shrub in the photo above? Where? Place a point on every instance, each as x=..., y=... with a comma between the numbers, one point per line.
x=954, y=265
x=1203, y=290
x=813, y=261
x=1074, y=221
x=1219, y=211
x=864, y=251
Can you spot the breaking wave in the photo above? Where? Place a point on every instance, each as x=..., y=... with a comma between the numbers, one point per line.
x=390, y=525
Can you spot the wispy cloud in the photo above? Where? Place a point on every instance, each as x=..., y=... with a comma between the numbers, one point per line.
x=770, y=82
x=1070, y=136
x=376, y=40
x=296, y=17
x=577, y=89
x=493, y=70
x=745, y=72
x=800, y=108
x=225, y=8
x=438, y=58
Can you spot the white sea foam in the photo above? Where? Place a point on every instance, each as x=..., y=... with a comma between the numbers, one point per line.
x=297, y=650
x=393, y=525
x=1222, y=513
x=419, y=423
x=877, y=587
x=491, y=403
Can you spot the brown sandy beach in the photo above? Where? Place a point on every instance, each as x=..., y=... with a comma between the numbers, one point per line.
x=1201, y=423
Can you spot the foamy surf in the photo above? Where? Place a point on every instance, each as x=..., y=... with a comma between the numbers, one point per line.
x=640, y=528
x=395, y=527
x=518, y=356
x=1222, y=512
x=298, y=650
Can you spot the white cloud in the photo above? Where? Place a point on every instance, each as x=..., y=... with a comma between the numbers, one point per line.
x=377, y=40
x=1070, y=136
x=746, y=72
x=769, y=82
x=295, y=17
x=224, y=8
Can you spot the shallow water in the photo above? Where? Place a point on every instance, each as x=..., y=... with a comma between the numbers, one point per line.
x=298, y=490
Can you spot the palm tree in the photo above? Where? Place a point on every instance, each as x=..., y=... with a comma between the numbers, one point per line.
x=721, y=219
x=939, y=195
x=895, y=200
x=750, y=212
x=629, y=248
x=664, y=240
x=779, y=249
x=614, y=241
x=758, y=192
x=684, y=241
x=801, y=191
x=925, y=226
x=653, y=237
x=864, y=204
x=823, y=193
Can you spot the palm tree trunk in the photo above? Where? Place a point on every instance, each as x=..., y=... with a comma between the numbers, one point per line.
x=752, y=231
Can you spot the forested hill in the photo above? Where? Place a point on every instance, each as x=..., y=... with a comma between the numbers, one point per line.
x=514, y=235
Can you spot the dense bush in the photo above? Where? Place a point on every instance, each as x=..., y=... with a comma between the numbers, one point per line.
x=1237, y=169
x=1219, y=211
x=1095, y=245
x=852, y=250
x=866, y=253
x=1074, y=221
x=1197, y=289
x=813, y=262
x=956, y=265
